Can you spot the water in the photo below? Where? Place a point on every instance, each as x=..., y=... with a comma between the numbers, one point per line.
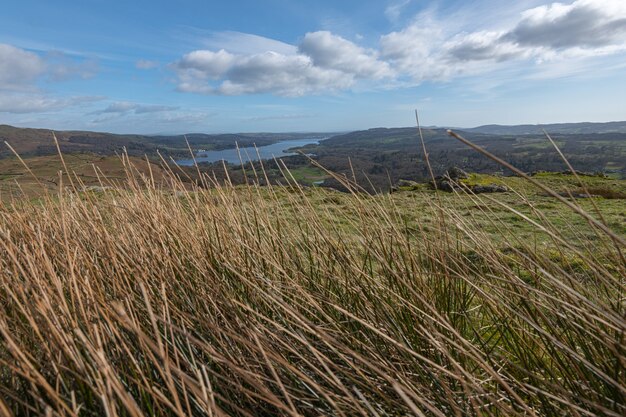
x=267, y=152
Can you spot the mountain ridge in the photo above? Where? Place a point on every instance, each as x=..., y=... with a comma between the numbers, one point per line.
x=563, y=128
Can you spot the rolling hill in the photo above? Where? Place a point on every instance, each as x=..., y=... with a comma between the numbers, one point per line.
x=561, y=128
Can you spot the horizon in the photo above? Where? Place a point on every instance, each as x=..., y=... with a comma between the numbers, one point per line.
x=335, y=132
x=284, y=66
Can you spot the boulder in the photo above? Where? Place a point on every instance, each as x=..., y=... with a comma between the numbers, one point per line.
x=446, y=185
x=490, y=188
x=456, y=173
x=406, y=183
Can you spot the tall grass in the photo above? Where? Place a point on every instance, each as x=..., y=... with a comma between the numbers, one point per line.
x=218, y=300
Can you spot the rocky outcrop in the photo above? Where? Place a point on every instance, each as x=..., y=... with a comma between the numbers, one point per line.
x=450, y=180
x=405, y=185
x=453, y=180
x=456, y=173
x=490, y=188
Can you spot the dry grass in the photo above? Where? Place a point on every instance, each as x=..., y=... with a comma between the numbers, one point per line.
x=253, y=301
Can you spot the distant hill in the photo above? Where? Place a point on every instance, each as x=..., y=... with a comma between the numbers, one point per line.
x=382, y=156
x=39, y=142
x=562, y=128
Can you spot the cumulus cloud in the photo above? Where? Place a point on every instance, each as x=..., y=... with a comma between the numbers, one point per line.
x=323, y=62
x=269, y=72
x=583, y=28
x=334, y=52
x=427, y=49
x=205, y=64
x=584, y=23
x=19, y=68
x=286, y=75
x=480, y=46
x=417, y=52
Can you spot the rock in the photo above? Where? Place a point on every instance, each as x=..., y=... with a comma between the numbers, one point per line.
x=490, y=188
x=456, y=173
x=450, y=180
x=445, y=185
x=406, y=183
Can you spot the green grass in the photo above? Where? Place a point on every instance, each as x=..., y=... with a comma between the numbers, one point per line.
x=308, y=175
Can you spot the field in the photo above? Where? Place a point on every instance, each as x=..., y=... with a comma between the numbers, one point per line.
x=150, y=296
x=42, y=174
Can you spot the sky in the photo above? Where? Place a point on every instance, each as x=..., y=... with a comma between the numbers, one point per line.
x=211, y=66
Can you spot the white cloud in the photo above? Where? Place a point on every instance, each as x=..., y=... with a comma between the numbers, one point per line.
x=144, y=115
x=334, y=52
x=19, y=68
x=417, y=52
x=323, y=63
x=208, y=72
x=62, y=67
x=246, y=43
x=584, y=28
x=145, y=64
x=481, y=46
x=428, y=49
x=394, y=10
x=22, y=70
x=126, y=107
x=205, y=64
x=38, y=103
x=280, y=117
x=285, y=75
x=583, y=23
x=184, y=117
x=118, y=107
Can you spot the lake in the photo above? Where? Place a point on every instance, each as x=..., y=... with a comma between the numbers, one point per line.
x=277, y=150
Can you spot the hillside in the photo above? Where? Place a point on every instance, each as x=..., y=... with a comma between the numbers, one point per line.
x=552, y=128
x=39, y=142
x=88, y=171
x=378, y=157
x=384, y=156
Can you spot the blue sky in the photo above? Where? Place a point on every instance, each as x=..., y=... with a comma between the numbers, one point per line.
x=285, y=65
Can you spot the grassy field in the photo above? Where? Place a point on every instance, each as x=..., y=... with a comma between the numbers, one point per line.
x=41, y=174
x=155, y=298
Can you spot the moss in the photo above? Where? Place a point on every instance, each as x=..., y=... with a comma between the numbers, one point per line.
x=483, y=180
